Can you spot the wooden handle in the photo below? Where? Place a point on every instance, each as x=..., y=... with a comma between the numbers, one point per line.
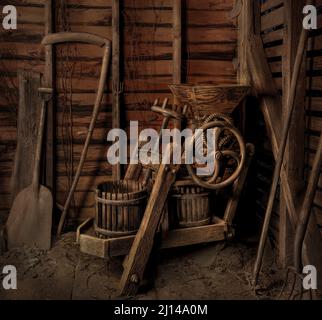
x=289, y=109
x=40, y=135
x=98, y=100
x=306, y=210
x=63, y=37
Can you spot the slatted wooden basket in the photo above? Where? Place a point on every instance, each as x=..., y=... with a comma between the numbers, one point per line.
x=120, y=206
x=208, y=99
x=189, y=206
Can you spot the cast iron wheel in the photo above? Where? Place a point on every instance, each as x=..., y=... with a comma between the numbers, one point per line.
x=229, y=155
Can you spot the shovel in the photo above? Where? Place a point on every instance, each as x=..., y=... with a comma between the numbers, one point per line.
x=30, y=219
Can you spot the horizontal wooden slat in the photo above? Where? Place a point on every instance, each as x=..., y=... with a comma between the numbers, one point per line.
x=211, y=42
x=266, y=5
x=272, y=19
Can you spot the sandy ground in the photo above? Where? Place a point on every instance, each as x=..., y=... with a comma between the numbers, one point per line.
x=215, y=271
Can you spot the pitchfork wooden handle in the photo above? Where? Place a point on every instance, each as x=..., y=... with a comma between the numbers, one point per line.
x=81, y=37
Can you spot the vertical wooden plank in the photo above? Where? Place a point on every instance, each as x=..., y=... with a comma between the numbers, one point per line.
x=126, y=209
x=294, y=153
x=243, y=74
x=28, y=115
x=98, y=207
x=177, y=47
x=116, y=118
x=177, y=41
x=109, y=211
x=238, y=187
x=144, y=239
x=49, y=178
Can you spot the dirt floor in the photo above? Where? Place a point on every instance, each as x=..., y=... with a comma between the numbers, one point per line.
x=215, y=271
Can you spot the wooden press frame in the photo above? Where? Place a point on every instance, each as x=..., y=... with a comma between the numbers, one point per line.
x=218, y=230
x=138, y=247
x=155, y=214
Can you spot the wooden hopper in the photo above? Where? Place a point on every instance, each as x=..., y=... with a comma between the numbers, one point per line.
x=209, y=99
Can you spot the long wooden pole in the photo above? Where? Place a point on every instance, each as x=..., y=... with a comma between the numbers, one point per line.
x=177, y=41
x=65, y=37
x=243, y=74
x=280, y=158
x=271, y=106
x=177, y=49
x=99, y=96
x=144, y=239
x=117, y=86
x=307, y=208
x=294, y=158
x=49, y=179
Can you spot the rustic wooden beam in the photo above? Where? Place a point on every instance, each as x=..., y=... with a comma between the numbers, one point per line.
x=294, y=158
x=307, y=207
x=49, y=163
x=114, y=247
x=177, y=41
x=243, y=75
x=238, y=188
x=144, y=239
x=271, y=106
x=177, y=48
x=117, y=86
x=28, y=115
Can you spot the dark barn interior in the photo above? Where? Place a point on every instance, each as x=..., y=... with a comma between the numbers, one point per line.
x=78, y=227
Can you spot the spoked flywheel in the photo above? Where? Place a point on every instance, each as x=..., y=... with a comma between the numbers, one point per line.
x=224, y=148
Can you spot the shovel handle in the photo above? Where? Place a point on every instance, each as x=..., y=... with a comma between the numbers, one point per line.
x=46, y=95
x=36, y=173
x=82, y=37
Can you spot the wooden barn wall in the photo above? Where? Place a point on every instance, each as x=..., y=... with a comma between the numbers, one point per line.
x=210, y=45
x=314, y=105
x=272, y=27
x=272, y=31
x=18, y=49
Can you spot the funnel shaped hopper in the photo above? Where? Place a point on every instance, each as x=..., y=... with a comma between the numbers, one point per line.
x=208, y=99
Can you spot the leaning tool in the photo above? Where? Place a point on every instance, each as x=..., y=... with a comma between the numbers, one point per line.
x=280, y=158
x=30, y=218
x=65, y=37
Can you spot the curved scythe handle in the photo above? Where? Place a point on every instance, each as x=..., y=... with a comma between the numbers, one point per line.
x=88, y=38
x=82, y=37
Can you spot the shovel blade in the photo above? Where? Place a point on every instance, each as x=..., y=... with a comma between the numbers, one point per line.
x=30, y=219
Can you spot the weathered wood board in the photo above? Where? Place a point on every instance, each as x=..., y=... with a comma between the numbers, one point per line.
x=27, y=129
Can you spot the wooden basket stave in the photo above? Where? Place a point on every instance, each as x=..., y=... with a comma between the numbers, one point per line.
x=119, y=208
